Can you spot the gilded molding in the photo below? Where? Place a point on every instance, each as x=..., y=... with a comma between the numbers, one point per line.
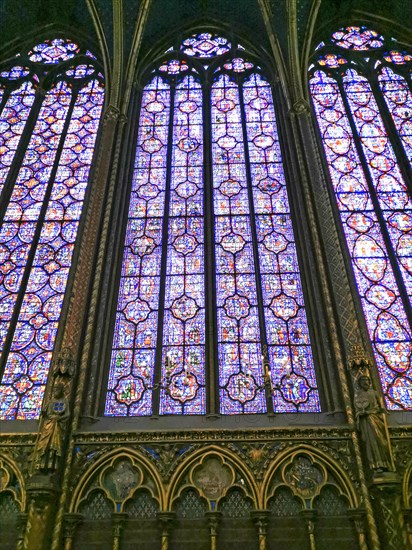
x=212, y=435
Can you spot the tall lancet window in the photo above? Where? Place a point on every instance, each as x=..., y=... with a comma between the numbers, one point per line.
x=361, y=90
x=51, y=100
x=210, y=300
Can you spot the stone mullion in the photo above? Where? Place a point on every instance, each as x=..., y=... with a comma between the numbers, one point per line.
x=299, y=164
x=320, y=220
x=115, y=230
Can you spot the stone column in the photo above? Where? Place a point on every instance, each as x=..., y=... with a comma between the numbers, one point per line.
x=42, y=496
x=70, y=524
x=309, y=517
x=118, y=526
x=407, y=514
x=21, y=527
x=166, y=520
x=388, y=495
x=358, y=518
x=214, y=520
x=260, y=518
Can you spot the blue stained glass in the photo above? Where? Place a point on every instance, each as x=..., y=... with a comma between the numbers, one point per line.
x=398, y=98
x=205, y=45
x=357, y=38
x=384, y=311
x=12, y=121
x=36, y=328
x=21, y=217
x=133, y=357
x=389, y=185
x=290, y=357
x=37, y=237
x=172, y=181
x=239, y=348
x=184, y=320
x=54, y=51
x=15, y=73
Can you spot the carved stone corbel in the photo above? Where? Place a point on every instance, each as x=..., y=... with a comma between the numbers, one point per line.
x=299, y=108
x=111, y=114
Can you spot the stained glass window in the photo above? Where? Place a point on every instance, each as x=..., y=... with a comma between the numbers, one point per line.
x=361, y=90
x=210, y=304
x=49, y=115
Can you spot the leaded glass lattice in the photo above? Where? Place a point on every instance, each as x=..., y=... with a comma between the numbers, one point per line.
x=210, y=292
x=42, y=205
x=362, y=102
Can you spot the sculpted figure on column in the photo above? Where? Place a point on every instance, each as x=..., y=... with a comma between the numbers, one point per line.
x=50, y=440
x=372, y=425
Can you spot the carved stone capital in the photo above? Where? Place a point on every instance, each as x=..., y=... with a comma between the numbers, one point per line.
x=166, y=520
x=309, y=516
x=118, y=519
x=357, y=515
x=387, y=483
x=261, y=519
x=21, y=528
x=214, y=518
x=70, y=524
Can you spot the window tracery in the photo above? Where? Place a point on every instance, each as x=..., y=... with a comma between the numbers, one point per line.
x=210, y=292
x=49, y=114
x=360, y=85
